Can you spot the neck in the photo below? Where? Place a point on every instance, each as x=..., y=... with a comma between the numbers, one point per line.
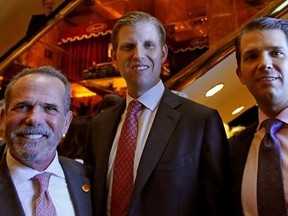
x=36, y=165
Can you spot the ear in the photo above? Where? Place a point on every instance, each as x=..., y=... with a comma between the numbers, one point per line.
x=240, y=75
x=114, y=56
x=68, y=119
x=164, y=54
x=2, y=123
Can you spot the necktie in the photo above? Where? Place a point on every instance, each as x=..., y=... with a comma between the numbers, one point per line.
x=270, y=192
x=122, y=186
x=43, y=203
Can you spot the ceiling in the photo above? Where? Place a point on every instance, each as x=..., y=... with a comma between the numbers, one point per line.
x=188, y=12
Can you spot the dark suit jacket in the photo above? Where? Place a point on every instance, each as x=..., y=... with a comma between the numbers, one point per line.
x=239, y=149
x=183, y=168
x=75, y=176
x=36, y=23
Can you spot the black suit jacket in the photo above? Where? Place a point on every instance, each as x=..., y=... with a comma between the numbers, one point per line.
x=239, y=146
x=183, y=167
x=75, y=175
x=37, y=22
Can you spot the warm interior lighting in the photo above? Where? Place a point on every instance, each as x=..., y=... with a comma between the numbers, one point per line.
x=214, y=90
x=281, y=7
x=79, y=91
x=237, y=110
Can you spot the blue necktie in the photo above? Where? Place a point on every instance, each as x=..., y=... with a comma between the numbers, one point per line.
x=270, y=192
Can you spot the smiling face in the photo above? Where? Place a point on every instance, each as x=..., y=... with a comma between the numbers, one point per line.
x=139, y=56
x=35, y=119
x=264, y=69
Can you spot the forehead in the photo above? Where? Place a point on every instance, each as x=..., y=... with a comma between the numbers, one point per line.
x=263, y=38
x=38, y=86
x=139, y=30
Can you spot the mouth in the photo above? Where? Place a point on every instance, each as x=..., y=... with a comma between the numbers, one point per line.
x=32, y=136
x=268, y=78
x=140, y=67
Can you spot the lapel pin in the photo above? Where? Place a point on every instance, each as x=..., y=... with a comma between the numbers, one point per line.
x=86, y=188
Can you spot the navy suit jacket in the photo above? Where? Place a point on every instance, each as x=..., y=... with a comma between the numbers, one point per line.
x=75, y=175
x=239, y=148
x=183, y=167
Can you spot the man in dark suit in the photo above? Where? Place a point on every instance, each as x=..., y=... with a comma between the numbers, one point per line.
x=262, y=65
x=38, y=21
x=36, y=115
x=181, y=157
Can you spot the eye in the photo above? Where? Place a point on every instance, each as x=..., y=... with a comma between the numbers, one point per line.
x=126, y=46
x=22, y=107
x=149, y=45
x=50, y=109
x=277, y=53
x=250, y=56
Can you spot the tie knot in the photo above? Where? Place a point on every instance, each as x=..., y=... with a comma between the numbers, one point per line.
x=42, y=180
x=272, y=125
x=134, y=107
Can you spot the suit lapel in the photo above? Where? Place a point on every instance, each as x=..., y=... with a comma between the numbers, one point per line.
x=75, y=181
x=162, y=129
x=102, y=140
x=11, y=204
x=239, y=149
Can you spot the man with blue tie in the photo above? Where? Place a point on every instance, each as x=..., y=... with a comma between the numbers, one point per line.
x=259, y=154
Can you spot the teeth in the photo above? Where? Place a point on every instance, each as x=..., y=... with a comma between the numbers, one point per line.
x=33, y=136
x=268, y=78
x=140, y=67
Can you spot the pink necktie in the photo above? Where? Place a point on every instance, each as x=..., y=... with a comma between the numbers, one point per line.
x=123, y=167
x=270, y=192
x=43, y=204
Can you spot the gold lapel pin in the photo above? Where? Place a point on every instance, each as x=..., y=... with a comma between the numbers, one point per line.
x=86, y=188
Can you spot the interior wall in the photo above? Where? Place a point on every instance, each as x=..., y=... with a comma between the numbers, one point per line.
x=14, y=19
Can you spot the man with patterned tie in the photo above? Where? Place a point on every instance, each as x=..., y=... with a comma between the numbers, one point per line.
x=34, y=181
x=259, y=154
x=157, y=153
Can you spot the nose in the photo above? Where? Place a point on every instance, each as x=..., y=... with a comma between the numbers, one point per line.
x=34, y=117
x=138, y=52
x=266, y=62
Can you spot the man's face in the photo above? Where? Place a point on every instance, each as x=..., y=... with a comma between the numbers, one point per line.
x=139, y=56
x=35, y=120
x=264, y=67
x=48, y=6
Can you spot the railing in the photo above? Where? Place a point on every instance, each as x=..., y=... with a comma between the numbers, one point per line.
x=26, y=42
x=182, y=78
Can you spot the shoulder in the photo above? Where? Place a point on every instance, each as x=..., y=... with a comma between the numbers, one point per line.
x=185, y=105
x=74, y=166
x=247, y=132
x=242, y=140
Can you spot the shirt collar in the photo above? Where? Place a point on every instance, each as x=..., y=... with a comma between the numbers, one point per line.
x=151, y=98
x=282, y=116
x=21, y=173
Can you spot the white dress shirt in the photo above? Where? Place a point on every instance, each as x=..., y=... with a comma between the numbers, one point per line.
x=249, y=182
x=21, y=176
x=150, y=101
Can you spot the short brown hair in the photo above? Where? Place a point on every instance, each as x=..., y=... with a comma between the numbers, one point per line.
x=134, y=17
x=262, y=23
